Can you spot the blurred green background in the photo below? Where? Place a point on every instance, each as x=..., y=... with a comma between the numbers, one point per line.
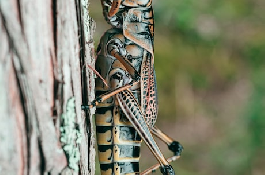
x=210, y=66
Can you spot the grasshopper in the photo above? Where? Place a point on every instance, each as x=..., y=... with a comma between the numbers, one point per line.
x=127, y=103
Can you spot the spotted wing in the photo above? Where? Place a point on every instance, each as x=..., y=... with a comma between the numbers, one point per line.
x=149, y=101
x=131, y=109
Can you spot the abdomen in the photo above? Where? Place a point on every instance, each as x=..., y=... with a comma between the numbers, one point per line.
x=118, y=142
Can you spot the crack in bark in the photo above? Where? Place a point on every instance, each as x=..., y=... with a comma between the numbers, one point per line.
x=54, y=14
x=22, y=87
x=19, y=16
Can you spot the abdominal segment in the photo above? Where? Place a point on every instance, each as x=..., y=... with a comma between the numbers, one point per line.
x=118, y=142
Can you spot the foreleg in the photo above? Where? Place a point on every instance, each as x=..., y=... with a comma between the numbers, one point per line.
x=110, y=16
x=116, y=49
x=114, y=7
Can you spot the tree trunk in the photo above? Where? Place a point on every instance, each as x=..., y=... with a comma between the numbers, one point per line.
x=44, y=49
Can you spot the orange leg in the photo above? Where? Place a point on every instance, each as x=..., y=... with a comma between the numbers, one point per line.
x=109, y=94
x=156, y=166
x=116, y=48
x=174, y=146
x=114, y=8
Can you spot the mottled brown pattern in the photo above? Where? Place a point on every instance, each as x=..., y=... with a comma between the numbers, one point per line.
x=129, y=104
x=118, y=141
x=148, y=91
x=125, y=60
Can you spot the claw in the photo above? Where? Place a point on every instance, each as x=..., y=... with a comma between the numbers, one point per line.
x=176, y=148
x=167, y=170
x=84, y=107
x=94, y=103
x=98, y=99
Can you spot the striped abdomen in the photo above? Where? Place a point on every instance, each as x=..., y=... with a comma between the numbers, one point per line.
x=118, y=142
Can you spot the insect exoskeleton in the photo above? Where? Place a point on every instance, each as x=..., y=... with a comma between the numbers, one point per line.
x=118, y=141
x=127, y=106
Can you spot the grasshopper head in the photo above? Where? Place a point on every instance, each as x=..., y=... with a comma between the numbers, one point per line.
x=113, y=9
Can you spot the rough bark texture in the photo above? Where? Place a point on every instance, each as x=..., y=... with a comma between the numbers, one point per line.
x=44, y=49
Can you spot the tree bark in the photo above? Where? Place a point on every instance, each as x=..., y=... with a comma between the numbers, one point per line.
x=44, y=49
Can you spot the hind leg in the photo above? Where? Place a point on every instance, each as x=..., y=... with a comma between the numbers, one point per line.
x=131, y=109
x=173, y=145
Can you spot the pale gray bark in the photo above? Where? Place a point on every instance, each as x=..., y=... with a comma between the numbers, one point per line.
x=44, y=49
